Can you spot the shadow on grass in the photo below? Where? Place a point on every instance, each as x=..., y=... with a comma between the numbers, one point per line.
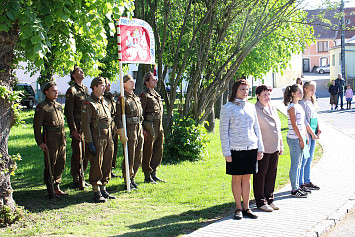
x=184, y=223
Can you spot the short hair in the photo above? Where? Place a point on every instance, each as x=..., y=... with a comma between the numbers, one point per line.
x=339, y=74
x=147, y=76
x=262, y=88
x=48, y=86
x=76, y=67
x=127, y=78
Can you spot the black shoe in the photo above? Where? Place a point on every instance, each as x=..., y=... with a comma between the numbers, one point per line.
x=131, y=186
x=299, y=193
x=149, y=180
x=312, y=186
x=98, y=198
x=249, y=214
x=106, y=195
x=155, y=177
x=133, y=182
x=113, y=175
x=238, y=215
x=305, y=189
x=53, y=196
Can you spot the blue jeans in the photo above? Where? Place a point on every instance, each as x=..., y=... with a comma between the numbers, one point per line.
x=340, y=95
x=305, y=172
x=296, y=155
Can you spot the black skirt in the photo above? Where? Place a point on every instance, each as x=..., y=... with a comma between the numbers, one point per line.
x=243, y=162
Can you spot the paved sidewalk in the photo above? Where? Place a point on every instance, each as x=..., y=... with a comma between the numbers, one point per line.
x=311, y=216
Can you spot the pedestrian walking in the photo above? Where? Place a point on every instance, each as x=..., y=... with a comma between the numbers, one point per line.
x=152, y=129
x=349, y=96
x=308, y=104
x=49, y=115
x=96, y=125
x=296, y=136
x=241, y=144
x=333, y=90
x=340, y=83
x=75, y=96
x=134, y=119
x=270, y=126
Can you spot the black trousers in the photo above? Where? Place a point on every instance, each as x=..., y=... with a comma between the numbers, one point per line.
x=264, y=180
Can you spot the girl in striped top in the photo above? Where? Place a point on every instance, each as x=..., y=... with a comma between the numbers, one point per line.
x=297, y=135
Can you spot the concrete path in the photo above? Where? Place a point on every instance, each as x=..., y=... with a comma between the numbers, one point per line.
x=311, y=216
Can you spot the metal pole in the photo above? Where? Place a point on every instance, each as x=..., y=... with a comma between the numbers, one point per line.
x=128, y=181
x=342, y=22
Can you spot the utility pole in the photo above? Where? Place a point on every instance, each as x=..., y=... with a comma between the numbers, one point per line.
x=342, y=53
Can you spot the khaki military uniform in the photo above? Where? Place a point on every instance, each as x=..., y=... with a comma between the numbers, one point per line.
x=96, y=125
x=153, y=146
x=112, y=105
x=134, y=112
x=75, y=97
x=49, y=115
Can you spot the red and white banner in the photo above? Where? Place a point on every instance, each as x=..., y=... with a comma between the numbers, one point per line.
x=137, y=41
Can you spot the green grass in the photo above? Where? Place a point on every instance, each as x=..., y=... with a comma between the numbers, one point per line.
x=196, y=193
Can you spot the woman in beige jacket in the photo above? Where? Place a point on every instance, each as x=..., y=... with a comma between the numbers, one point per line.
x=270, y=126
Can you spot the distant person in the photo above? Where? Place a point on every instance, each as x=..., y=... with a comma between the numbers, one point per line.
x=49, y=115
x=299, y=81
x=340, y=83
x=333, y=90
x=270, y=126
x=348, y=96
x=296, y=136
x=241, y=143
x=309, y=105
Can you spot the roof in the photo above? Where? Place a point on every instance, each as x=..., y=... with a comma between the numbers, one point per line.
x=330, y=30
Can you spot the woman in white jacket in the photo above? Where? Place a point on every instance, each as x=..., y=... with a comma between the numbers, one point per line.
x=241, y=144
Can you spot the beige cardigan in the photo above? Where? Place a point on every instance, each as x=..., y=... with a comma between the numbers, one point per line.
x=270, y=127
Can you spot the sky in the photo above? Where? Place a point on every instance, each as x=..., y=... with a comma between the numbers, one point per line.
x=316, y=3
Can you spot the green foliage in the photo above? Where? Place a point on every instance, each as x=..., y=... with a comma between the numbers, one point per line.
x=9, y=216
x=13, y=98
x=188, y=141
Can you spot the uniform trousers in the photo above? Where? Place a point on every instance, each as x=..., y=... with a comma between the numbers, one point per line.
x=74, y=170
x=153, y=148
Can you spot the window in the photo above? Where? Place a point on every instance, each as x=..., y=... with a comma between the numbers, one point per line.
x=322, y=46
x=324, y=61
x=333, y=60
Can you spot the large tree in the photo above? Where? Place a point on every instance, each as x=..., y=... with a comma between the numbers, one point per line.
x=52, y=36
x=206, y=42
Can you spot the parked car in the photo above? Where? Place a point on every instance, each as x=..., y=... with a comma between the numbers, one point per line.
x=323, y=69
x=28, y=96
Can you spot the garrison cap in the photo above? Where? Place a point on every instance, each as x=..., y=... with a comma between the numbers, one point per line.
x=48, y=86
x=126, y=78
x=97, y=81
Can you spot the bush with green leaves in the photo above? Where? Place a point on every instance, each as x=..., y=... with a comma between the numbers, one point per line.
x=187, y=141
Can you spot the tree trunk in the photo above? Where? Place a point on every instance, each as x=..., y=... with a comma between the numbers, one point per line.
x=142, y=69
x=8, y=42
x=211, y=122
x=217, y=107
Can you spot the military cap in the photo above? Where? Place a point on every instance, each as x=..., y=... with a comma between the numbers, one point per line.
x=48, y=86
x=126, y=78
x=97, y=81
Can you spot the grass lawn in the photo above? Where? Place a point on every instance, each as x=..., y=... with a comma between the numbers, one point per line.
x=196, y=193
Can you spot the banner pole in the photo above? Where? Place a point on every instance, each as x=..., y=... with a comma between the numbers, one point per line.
x=128, y=181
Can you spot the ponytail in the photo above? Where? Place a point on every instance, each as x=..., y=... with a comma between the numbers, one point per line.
x=288, y=93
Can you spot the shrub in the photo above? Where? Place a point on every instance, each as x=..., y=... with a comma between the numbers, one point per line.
x=187, y=141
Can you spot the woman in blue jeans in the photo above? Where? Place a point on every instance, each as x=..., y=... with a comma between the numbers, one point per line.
x=309, y=105
x=296, y=136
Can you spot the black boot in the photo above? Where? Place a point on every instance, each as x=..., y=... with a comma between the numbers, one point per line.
x=106, y=195
x=51, y=194
x=98, y=198
x=133, y=182
x=155, y=178
x=148, y=179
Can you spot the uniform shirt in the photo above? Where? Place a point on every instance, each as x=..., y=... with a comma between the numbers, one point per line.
x=239, y=127
x=48, y=114
x=151, y=103
x=111, y=102
x=133, y=108
x=300, y=121
x=75, y=97
x=95, y=113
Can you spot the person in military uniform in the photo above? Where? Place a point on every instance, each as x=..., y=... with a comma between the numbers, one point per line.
x=96, y=125
x=134, y=112
x=153, y=129
x=75, y=96
x=109, y=97
x=49, y=115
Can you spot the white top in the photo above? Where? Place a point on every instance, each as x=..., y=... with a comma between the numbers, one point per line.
x=239, y=127
x=309, y=109
x=300, y=121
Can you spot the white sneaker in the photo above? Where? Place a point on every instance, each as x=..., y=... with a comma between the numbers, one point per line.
x=266, y=208
x=273, y=206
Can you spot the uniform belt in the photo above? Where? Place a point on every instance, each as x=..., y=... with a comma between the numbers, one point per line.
x=152, y=117
x=54, y=129
x=134, y=120
x=103, y=126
